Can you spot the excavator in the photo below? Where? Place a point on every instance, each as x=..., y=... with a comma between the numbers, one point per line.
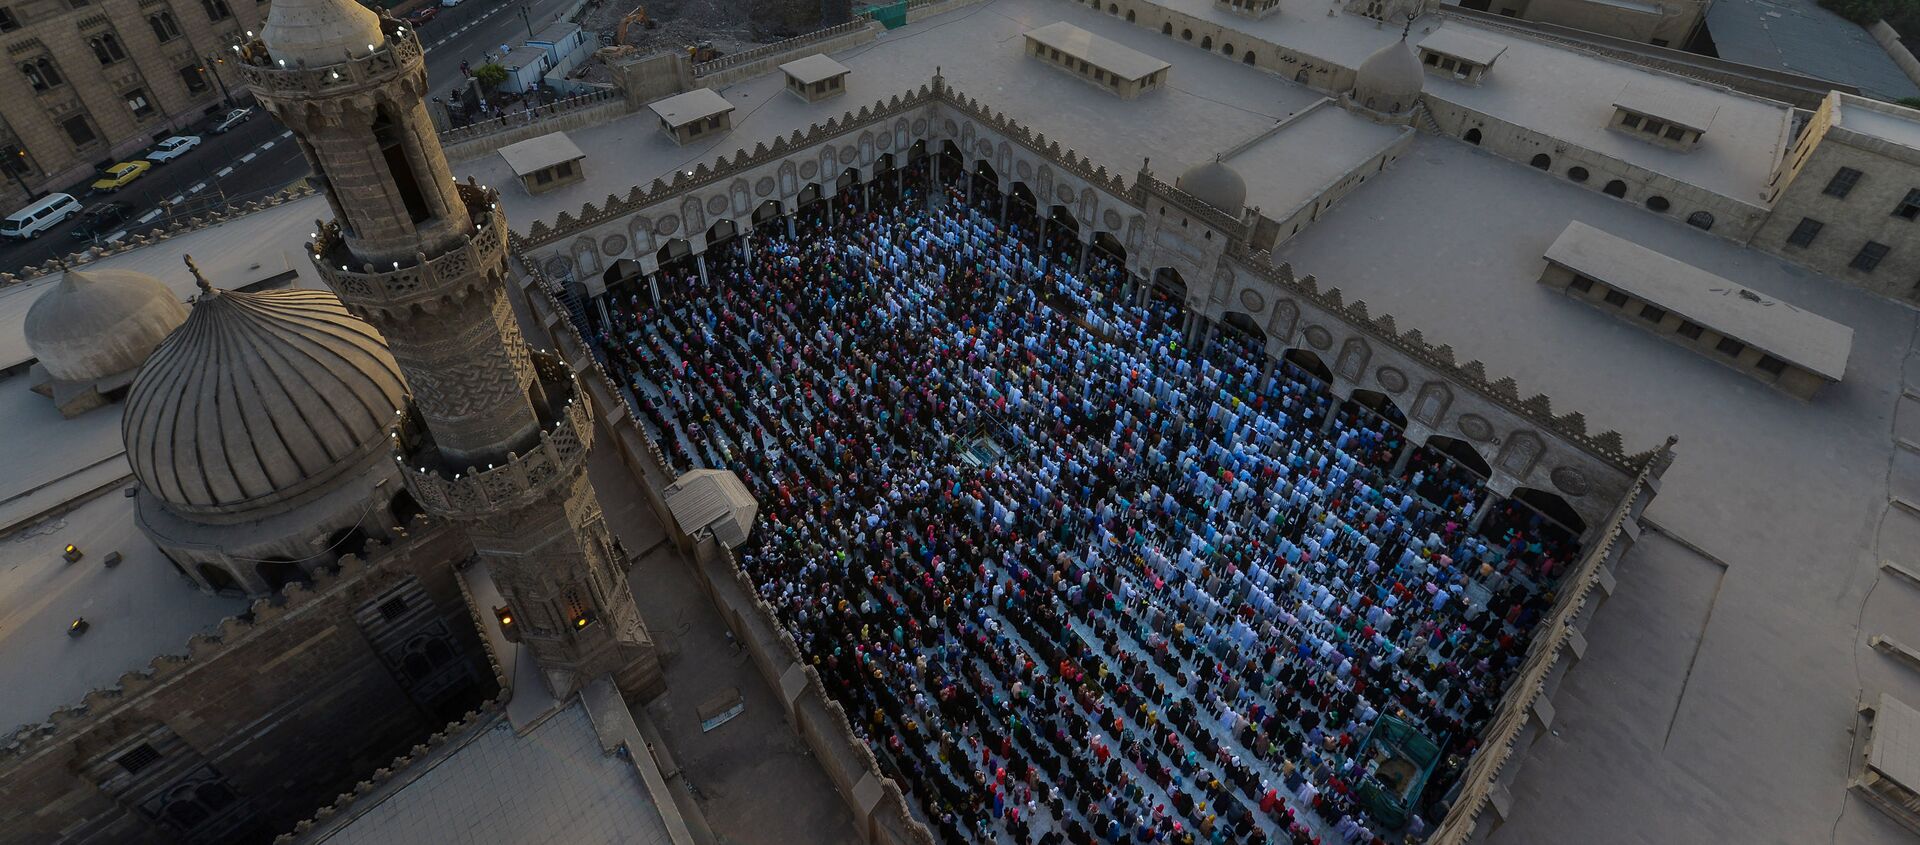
x=637, y=16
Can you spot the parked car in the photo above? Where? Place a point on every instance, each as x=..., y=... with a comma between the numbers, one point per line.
x=449, y=3
x=120, y=175
x=172, y=148
x=38, y=216
x=102, y=219
x=421, y=16
x=232, y=119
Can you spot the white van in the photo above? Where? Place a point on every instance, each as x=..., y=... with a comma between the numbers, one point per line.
x=43, y=214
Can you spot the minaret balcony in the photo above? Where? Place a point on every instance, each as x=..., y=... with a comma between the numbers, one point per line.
x=516, y=481
x=369, y=289
x=377, y=62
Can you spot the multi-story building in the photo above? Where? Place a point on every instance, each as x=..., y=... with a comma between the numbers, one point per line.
x=1662, y=23
x=93, y=80
x=1846, y=198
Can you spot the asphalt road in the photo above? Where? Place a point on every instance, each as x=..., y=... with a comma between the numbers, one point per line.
x=259, y=157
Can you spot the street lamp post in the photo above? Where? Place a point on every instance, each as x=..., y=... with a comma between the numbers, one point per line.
x=527, y=18
x=214, y=61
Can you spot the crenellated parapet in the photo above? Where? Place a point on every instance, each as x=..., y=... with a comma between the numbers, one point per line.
x=446, y=740
x=452, y=275
x=521, y=478
x=275, y=78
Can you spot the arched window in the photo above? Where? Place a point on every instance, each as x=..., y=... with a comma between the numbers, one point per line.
x=218, y=579
x=387, y=133
x=1658, y=203
x=1248, y=58
x=403, y=506
x=217, y=10
x=106, y=48
x=279, y=573
x=41, y=74
x=1113, y=8
x=1615, y=188
x=1577, y=173
x=165, y=28
x=1166, y=28
x=1206, y=42
x=1129, y=16
x=1700, y=220
x=1226, y=49
x=1541, y=161
x=1472, y=137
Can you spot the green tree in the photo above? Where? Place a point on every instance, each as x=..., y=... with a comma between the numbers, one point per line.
x=490, y=75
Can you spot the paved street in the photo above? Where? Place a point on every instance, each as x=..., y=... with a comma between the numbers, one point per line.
x=259, y=157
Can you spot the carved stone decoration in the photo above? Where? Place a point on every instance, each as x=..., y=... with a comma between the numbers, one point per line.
x=920, y=127
x=558, y=268
x=1571, y=481
x=829, y=165
x=586, y=255
x=985, y=148
x=1066, y=194
x=667, y=225
x=1024, y=168
x=1136, y=233
x=953, y=129
x=763, y=187
x=1431, y=405
x=901, y=139
x=1003, y=158
x=1249, y=298
x=613, y=245
x=1391, y=379
x=1352, y=364
x=1043, y=182
x=848, y=155
x=1319, y=338
x=741, y=197
x=693, y=216
x=1475, y=427
x=866, y=149
x=1519, y=453
x=883, y=141
x=1111, y=218
x=640, y=231
x=1089, y=206
x=789, y=182
x=808, y=170
x=1280, y=326
x=717, y=205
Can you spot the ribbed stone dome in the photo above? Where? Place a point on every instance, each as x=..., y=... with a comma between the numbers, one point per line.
x=97, y=323
x=1390, y=79
x=319, y=32
x=259, y=398
x=1215, y=184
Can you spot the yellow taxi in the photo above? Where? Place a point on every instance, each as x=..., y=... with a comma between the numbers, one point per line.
x=120, y=174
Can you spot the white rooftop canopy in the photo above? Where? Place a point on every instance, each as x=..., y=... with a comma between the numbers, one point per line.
x=1671, y=101
x=1111, y=56
x=699, y=104
x=535, y=154
x=1460, y=44
x=1802, y=338
x=814, y=68
x=1896, y=741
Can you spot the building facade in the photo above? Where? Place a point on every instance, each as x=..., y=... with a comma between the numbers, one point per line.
x=1846, y=199
x=90, y=81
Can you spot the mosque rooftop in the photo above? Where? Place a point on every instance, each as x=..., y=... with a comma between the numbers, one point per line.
x=1288, y=168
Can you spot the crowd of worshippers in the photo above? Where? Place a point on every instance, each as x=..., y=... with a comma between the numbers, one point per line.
x=1073, y=580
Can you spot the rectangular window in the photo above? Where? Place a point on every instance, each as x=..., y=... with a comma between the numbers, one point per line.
x=1615, y=299
x=1675, y=133
x=1653, y=313
x=1729, y=347
x=8, y=22
x=542, y=177
x=1653, y=127
x=142, y=756
x=1581, y=284
x=1433, y=58
x=1631, y=121
x=78, y=131
x=1804, y=233
x=138, y=103
x=1909, y=208
x=393, y=608
x=217, y=10
x=1770, y=365
x=1842, y=182
x=1690, y=329
x=1868, y=257
x=195, y=81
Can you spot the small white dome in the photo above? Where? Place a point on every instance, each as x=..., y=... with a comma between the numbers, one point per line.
x=98, y=323
x=1390, y=79
x=320, y=32
x=1215, y=184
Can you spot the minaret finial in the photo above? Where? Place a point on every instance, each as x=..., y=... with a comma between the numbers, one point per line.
x=199, y=278
x=1409, y=30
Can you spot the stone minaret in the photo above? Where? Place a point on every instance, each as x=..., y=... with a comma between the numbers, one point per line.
x=498, y=438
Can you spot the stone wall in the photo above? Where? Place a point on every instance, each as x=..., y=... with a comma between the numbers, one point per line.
x=729, y=69
x=1903, y=57
x=299, y=697
x=1299, y=66
x=478, y=139
x=1733, y=218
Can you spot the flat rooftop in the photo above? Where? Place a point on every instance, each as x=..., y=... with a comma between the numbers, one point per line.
x=1800, y=37
x=1291, y=166
x=1795, y=335
x=1687, y=105
x=698, y=104
x=813, y=68
x=1460, y=44
x=554, y=783
x=1747, y=659
x=1891, y=123
x=137, y=610
x=1215, y=103
x=539, y=153
x=1115, y=58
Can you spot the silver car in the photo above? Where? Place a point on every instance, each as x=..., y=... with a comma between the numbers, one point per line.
x=233, y=118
